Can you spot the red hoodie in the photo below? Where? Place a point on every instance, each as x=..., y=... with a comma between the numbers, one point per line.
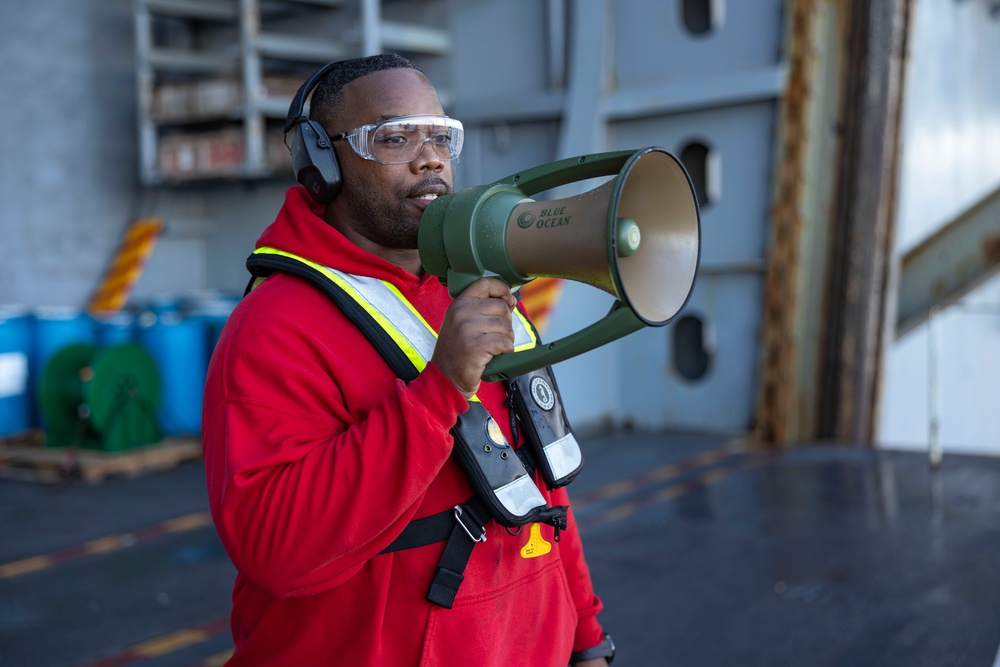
x=318, y=457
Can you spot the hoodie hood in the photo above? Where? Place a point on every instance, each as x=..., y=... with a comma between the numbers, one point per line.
x=301, y=230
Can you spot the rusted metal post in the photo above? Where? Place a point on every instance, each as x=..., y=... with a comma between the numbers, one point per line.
x=774, y=402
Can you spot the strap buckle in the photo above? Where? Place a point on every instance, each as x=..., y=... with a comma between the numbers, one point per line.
x=459, y=513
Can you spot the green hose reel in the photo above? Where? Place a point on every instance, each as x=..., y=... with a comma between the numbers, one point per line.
x=100, y=398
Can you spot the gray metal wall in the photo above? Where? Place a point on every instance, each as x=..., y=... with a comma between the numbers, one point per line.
x=69, y=167
x=534, y=81
x=628, y=75
x=67, y=147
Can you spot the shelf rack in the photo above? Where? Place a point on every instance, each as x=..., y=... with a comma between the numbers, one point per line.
x=215, y=77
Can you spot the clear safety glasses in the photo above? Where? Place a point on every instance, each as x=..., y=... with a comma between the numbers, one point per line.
x=400, y=140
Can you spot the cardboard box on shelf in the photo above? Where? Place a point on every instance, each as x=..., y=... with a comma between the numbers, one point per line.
x=280, y=86
x=198, y=100
x=214, y=98
x=204, y=154
x=172, y=101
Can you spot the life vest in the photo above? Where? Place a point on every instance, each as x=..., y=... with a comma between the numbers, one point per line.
x=499, y=475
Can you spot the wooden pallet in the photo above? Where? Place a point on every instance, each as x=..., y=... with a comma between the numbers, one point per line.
x=27, y=459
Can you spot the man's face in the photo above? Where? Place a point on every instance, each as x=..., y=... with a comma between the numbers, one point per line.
x=383, y=203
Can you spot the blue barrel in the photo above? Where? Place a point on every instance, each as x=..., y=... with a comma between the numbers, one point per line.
x=177, y=344
x=214, y=310
x=15, y=350
x=162, y=305
x=115, y=328
x=54, y=329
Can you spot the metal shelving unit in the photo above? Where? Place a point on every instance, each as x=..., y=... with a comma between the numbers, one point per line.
x=216, y=77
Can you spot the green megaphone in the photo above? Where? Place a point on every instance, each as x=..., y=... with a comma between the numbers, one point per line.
x=637, y=237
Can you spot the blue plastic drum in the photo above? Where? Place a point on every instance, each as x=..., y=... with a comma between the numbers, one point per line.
x=15, y=351
x=115, y=328
x=214, y=310
x=177, y=344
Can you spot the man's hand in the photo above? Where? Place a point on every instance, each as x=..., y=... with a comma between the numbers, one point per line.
x=476, y=328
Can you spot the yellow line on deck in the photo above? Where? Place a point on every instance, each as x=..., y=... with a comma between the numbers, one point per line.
x=103, y=545
x=170, y=643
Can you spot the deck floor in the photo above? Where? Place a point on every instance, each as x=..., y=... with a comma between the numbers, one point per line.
x=705, y=554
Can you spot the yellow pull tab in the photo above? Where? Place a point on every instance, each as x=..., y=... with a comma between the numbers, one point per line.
x=536, y=546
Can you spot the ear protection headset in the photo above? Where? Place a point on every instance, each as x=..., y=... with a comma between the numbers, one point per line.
x=313, y=160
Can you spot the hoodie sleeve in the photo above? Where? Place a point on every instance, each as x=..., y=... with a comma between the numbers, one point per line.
x=317, y=456
x=589, y=632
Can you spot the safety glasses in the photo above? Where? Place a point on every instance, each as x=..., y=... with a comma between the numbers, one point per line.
x=400, y=140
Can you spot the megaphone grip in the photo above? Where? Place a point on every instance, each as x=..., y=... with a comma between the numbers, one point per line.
x=570, y=170
x=620, y=321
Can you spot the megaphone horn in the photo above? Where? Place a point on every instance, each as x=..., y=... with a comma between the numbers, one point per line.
x=637, y=237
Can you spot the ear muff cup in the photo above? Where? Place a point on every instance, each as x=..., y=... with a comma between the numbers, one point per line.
x=314, y=161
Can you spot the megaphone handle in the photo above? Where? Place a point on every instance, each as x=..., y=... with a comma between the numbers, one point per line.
x=620, y=321
x=569, y=170
x=458, y=281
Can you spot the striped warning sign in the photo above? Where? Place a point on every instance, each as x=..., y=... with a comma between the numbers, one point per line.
x=136, y=247
x=539, y=298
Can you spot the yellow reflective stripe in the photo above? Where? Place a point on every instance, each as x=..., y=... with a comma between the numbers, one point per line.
x=528, y=330
x=406, y=302
x=411, y=353
x=523, y=329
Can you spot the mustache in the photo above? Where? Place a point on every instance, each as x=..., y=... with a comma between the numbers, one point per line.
x=428, y=182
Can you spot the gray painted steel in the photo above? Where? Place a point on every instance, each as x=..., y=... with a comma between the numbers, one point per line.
x=533, y=81
x=638, y=78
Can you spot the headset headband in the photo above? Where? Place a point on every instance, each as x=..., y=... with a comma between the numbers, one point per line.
x=299, y=101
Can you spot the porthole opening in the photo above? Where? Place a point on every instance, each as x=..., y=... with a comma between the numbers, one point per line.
x=703, y=166
x=702, y=17
x=692, y=354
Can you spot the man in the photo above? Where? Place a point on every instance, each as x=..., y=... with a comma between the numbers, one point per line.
x=319, y=456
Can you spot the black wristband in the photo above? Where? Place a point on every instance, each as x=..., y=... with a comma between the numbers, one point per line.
x=606, y=649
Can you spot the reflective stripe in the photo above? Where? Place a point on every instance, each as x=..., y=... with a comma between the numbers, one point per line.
x=339, y=278
x=524, y=335
x=520, y=496
x=396, y=315
x=394, y=312
x=564, y=455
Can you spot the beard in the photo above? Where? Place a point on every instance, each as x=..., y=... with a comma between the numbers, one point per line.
x=389, y=220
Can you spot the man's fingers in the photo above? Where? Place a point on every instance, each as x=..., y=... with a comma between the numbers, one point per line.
x=476, y=328
x=497, y=343
x=481, y=323
x=490, y=288
x=493, y=307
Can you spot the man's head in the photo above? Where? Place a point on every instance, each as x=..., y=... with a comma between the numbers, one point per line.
x=329, y=92
x=380, y=205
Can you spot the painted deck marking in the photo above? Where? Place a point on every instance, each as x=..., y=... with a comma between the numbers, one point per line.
x=164, y=644
x=103, y=545
x=729, y=460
